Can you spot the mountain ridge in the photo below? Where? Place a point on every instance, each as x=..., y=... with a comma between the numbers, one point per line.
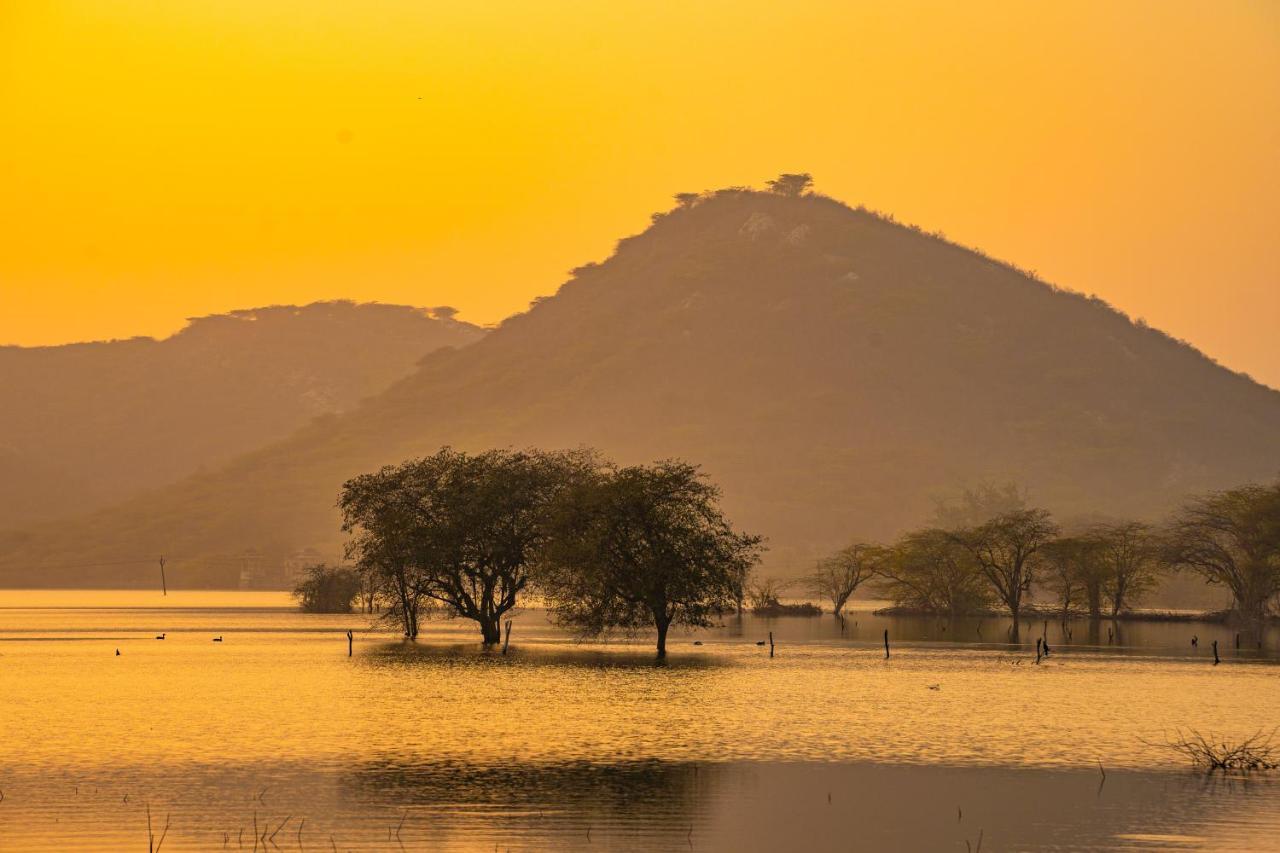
x=832, y=369
x=91, y=423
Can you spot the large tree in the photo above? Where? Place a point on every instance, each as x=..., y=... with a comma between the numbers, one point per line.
x=644, y=546
x=1005, y=550
x=838, y=576
x=460, y=530
x=1232, y=538
x=928, y=570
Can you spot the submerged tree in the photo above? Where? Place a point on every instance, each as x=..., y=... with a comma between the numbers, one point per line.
x=1232, y=538
x=766, y=593
x=1005, y=550
x=325, y=589
x=929, y=571
x=643, y=546
x=837, y=577
x=459, y=530
x=1074, y=573
x=1126, y=554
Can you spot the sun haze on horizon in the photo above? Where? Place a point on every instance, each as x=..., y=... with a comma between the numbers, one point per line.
x=162, y=162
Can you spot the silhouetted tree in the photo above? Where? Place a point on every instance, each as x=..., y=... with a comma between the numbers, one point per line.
x=457, y=529
x=1074, y=573
x=687, y=199
x=326, y=589
x=929, y=570
x=1232, y=538
x=1005, y=549
x=976, y=505
x=791, y=184
x=643, y=545
x=837, y=577
x=765, y=593
x=1127, y=557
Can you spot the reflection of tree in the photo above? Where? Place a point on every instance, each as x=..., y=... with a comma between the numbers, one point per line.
x=645, y=792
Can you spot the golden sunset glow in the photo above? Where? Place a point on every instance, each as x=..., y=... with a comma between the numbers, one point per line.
x=161, y=161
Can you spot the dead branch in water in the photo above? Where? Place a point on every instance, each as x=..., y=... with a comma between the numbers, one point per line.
x=1256, y=752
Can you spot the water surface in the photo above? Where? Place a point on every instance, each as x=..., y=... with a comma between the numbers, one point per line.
x=825, y=746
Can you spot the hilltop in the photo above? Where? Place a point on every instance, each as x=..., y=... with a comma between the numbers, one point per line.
x=90, y=424
x=833, y=370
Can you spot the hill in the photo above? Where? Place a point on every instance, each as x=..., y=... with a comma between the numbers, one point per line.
x=833, y=370
x=89, y=424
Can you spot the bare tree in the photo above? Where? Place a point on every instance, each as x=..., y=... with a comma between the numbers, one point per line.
x=1232, y=538
x=764, y=593
x=1005, y=549
x=837, y=577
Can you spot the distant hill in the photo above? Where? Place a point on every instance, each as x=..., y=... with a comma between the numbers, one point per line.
x=85, y=425
x=833, y=370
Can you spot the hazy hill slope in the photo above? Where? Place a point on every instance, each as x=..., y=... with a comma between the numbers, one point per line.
x=88, y=424
x=832, y=370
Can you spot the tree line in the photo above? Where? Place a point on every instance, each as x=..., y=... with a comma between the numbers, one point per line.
x=605, y=547
x=972, y=561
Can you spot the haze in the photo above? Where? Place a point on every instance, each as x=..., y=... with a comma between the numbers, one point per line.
x=162, y=162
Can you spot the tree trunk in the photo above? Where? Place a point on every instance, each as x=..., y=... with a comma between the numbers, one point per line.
x=662, y=624
x=490, y=629
x=1094, y=591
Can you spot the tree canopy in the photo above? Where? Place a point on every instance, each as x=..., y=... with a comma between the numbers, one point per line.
x=460, y=530
x=1232, y=538
x=644, y=545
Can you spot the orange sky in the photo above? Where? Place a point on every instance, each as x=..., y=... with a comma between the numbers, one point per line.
x=165, y=160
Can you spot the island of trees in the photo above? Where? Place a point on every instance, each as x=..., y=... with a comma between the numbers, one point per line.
x=606, y=547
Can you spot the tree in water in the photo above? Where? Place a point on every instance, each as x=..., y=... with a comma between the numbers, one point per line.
x=1074, y=573
x=1232, y=539
x=1126, y=553
x=325, y=589
x=791, y=185
x=928, y=571
x=643, y=546
x=1005, y=549
x=837, y=577
x=462, y=531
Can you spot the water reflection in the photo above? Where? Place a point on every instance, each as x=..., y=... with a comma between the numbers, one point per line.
x=648, y=805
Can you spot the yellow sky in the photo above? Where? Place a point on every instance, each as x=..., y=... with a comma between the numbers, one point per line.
x=160, y=160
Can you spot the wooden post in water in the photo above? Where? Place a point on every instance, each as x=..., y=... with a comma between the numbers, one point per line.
x=350, y=642
x=770, y=644
x=164, y=587
x=1038, y=643
x=1237, y=639
x=507, y=640
x=1215, y=653
x=886, y=643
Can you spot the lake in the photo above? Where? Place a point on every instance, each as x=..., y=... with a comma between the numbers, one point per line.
x=559, y=744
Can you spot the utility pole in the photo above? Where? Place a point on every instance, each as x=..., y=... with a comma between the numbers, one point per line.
x=164, y=587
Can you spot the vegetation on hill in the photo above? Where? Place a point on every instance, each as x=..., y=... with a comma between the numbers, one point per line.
x=89, y=424
x=831, y=369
